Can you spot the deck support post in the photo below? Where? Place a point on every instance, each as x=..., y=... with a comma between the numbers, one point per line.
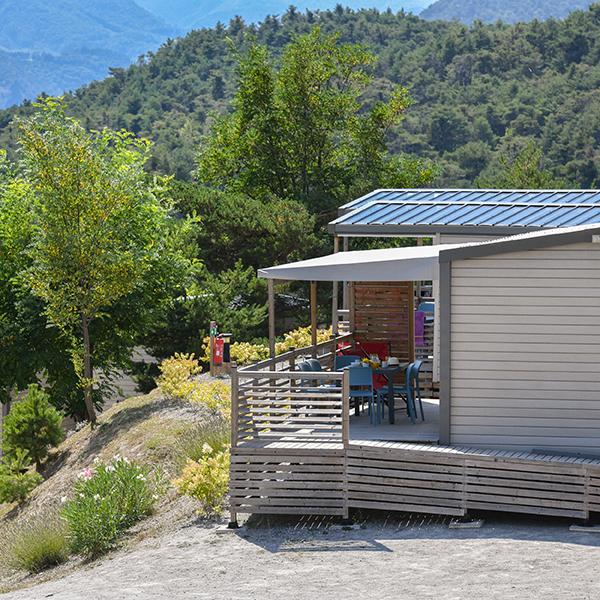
x=335, y=293
x=346, y=439
x=235, y=399
x=271, y=301
x=313, y=317
x=345, y=283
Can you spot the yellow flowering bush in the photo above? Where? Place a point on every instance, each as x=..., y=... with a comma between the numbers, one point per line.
x=301, y=338
x=246, y=353
x=176, y=381
x=206, y=479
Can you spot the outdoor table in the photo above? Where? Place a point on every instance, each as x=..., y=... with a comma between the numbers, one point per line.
x=389, y=372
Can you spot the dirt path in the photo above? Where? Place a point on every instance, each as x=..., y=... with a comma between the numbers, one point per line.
x=397, y=559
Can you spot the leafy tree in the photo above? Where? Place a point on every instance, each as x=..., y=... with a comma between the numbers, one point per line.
x=525, y=170
x=302, y=131
x=103, y=235
x=235, y=298
x=33, y=426
x=234, y=227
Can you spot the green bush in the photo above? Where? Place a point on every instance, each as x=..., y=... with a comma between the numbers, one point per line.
x=206, y=479
x=33, y=425
x=38, y=546
x=106, y=501
x=16, y=478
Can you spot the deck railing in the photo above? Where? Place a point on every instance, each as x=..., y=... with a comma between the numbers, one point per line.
x=271, y=401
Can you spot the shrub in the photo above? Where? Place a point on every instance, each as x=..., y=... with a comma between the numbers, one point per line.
x=206, y=479
x=301, y=338
x=17, y=480
x=176, y=374
x=106, y=501
x=176, y=382
x=38, y=545
x=33, y=425
x=215, y=432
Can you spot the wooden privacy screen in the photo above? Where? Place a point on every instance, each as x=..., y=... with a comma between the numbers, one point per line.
x=384, y=312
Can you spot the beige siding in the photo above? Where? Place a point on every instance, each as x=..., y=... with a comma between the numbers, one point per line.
x=525, y=339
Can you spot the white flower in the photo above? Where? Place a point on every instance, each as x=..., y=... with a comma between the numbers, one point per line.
x=81, y=495
x=96, y=497
x=63, y=499
x=141, y=477
x=96, y=460
x=110, y=468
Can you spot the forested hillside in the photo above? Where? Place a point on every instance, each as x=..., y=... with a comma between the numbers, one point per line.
x=478, y=91
x=509, y=11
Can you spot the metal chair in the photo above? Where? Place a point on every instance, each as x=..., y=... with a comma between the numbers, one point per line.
x=314, y=364
x=361, y=388
x=406, y=392
x=416, y=387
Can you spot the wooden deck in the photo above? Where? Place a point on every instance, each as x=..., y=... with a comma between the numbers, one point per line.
x=328, y=478
x=294, y=450
x=402, y=430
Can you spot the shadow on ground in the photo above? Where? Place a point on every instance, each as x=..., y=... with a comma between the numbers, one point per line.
x=372, y=529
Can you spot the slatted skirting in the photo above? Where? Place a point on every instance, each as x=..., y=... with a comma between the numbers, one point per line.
x=288, y=481
x=412, y=478
x=392, y=479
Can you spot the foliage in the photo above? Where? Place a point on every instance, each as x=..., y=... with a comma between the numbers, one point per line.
x=302, y=131
x=38, y=545
x=214, y=431
x=206, y=479
x=236, y=228
x=33, y=425
x=16, y=479
x=176, y=381
x=524, y=171
x=106, y=501
x=301, y=338
x=509, y=11
x=491, y=83
x=235, y=298
x=102, y=228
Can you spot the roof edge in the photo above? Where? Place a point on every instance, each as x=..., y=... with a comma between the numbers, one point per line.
x=554, y=237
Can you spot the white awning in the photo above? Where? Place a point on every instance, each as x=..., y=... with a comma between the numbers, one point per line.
x=415, y=263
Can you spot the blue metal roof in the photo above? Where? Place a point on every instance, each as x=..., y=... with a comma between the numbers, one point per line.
x=494, y=196
x=392, y=216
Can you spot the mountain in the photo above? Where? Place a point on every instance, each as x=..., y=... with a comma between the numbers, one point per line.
x=190, y=14
x=509, y=11
x=59, y=45
x=480, y=91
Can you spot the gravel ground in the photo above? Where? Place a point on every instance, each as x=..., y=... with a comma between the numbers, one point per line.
x=402, y=557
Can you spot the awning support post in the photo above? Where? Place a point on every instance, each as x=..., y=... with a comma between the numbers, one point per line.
x=335, y=293
x=313, y=317
x=271, y=301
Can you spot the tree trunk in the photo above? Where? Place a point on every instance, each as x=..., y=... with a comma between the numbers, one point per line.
x=88, y=371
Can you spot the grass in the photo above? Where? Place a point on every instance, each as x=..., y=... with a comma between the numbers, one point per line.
x=37, y=545
x=215, y=432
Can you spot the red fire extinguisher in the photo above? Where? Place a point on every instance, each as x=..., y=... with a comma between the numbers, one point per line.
x=218, y=346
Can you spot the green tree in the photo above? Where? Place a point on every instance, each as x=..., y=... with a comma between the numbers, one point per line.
x=303, y=131
x=33, y=426
x=103, y=230
x=523, y=170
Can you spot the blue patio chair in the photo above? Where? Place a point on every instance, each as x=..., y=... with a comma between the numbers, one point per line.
x=361, y=389
x=344, y=361
x=314, y=364
x=416, y=387
x=406, y=392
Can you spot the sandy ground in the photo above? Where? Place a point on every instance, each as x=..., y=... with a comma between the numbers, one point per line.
x=402, y=557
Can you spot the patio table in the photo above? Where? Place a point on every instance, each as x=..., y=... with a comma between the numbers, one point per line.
x=388, y=373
